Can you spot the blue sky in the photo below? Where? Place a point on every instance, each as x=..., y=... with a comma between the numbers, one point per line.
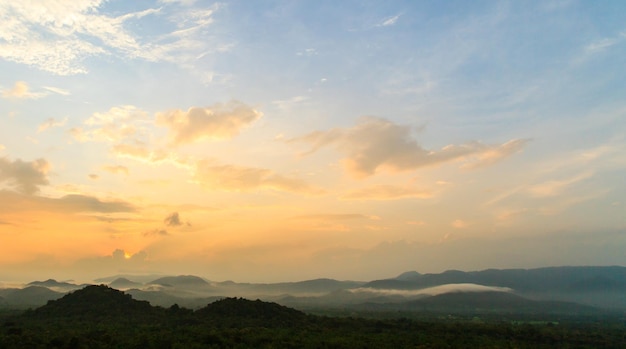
x=284, y=140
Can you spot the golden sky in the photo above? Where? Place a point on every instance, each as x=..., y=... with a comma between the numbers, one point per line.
x=276, y=141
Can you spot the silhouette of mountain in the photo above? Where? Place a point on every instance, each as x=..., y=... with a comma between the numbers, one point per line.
x=305, y=287
x=123, y=283
x=180, y=281
x=553, y=279
x=93, y=302
x=142, y=278
x=53, y=283
x=31, y=296
x=408, y=276
x=489, y=302
x=243, y=310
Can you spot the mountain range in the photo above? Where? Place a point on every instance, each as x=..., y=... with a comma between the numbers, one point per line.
x=577, y=290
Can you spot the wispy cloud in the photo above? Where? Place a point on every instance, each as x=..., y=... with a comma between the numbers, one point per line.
x=332, y=217
x=116, y=169
x=242, y=179
x=389, y=21
x=387, y=192
x=50, y=123
x=556, y=187
x=433, y=291
x=21, y=91
x=376, y=143
x=57, y=90
x=58, y=36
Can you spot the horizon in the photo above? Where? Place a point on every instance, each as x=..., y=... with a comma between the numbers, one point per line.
x=282, y=141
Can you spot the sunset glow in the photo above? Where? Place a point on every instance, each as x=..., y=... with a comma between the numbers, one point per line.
x=288, y=140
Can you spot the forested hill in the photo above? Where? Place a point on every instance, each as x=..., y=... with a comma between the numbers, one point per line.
x=102, y=317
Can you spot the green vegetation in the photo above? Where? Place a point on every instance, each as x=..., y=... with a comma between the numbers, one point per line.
x=102, y=317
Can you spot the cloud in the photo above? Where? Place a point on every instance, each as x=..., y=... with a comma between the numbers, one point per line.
x=25, y=177
x=84, y=203
x=433, y=291
x=50, y=123
x=172, y=220
x=116, y=169
x=116, y=124
x=156, y=232
x=601, y=45
x=389, y=21
x=495, y=154
x=21, y=91
x=459, y=224
x=332, y=217
x=242, y=179
x=376, y=143
x=57, y=90
x=70, y=203
x=386, y=192
x=143, y=154
x=218, y=122
x=57, y=36
x=556, y=187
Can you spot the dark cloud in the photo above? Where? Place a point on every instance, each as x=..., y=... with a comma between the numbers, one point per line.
x=156, y=232
x=173, y=220
x=24, y=176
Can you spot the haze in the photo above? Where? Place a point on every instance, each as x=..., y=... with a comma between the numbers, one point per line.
x=279, y=141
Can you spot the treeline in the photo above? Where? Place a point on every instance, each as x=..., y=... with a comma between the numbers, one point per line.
x=100, y=317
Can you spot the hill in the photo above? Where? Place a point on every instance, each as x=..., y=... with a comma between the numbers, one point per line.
x=123, y=283
x=181, y=281
x=55, y=285
x=31, y=296
x=241, y=310
x=95, y=302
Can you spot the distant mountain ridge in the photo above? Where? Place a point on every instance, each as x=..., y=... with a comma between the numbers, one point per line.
x=561, y=279
x=596, y=286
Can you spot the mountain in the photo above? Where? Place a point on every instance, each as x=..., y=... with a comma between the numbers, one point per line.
x=163, y=299
x=180, y=281
x=55, y=285
x=596, y=286
x=561, y=279
x=243, y=311
x=408, y=276
x=316, y=286
x=141, y=278
x=30, y=296
x=494, y=302
x=124, y=283
x=96, y=302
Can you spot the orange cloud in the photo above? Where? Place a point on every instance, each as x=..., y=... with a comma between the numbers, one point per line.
x=386, y=192
x=218, y=122
x=237, y=178
x=375, y=143
x=21, y=91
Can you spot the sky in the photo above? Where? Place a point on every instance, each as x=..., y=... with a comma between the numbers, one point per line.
x=267, y=141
